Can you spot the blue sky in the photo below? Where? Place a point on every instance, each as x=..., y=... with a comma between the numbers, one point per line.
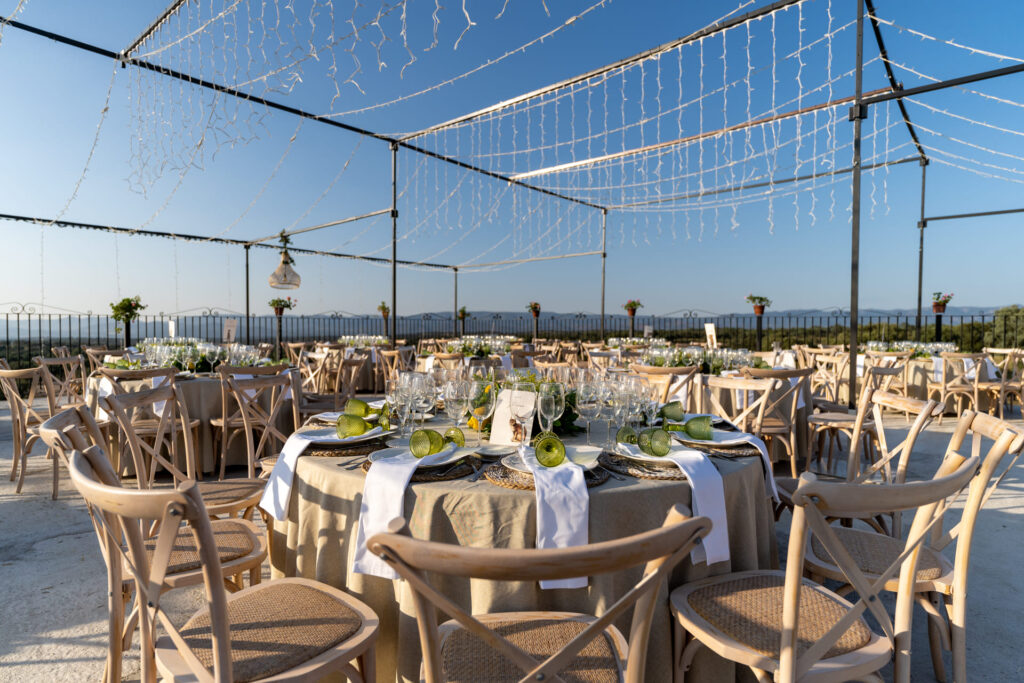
x=53, y=96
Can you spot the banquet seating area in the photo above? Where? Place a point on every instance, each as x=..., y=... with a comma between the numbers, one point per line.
x=290, y=493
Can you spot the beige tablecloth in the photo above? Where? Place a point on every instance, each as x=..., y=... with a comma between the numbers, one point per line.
x=203, y=399
x=317, y=541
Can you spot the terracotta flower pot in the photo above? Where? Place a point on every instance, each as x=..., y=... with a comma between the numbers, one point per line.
x=536, y=314
x=631, y=312
x=938, y=308
x=278, y=311
x=758, y=309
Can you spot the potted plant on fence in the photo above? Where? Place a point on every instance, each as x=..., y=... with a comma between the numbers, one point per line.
x=939, y=301
x=759, y=302
x=631, y=307
x=462, y=315
x=385, y=311
x=125, y=311
x=534, y=308
x=280, y=306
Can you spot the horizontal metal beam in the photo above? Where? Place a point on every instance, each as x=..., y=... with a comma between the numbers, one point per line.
x=765, y=183
x=688, y=139
x=331, y=224
x=942, y=85
x=164, y=16
x=270, y=104
x=470, y=266
x=214, y=240
x=696, y=35
x=978, y=214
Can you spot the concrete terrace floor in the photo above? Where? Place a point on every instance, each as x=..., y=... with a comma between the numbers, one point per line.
x=53, y=609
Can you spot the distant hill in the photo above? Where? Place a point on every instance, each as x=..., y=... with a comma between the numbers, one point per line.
x=787, y=313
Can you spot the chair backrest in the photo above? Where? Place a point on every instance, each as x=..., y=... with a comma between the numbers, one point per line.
x=659, y=550
x=122, y=519
x=408, y=358
x=71, y=429
x=260, y=400
x=1009, y=365
x=345, y=377
x=230, y=410
x=94, y=354
x=671, y=381
x=961, y=369
x=293, y=349
x=829, y=372
x=265, y=349
x=390, y=363
x=785, y=404
x=749, y=399
x=602, y=360
x=815, y=503
x=150, y=422
x=449, y=361
x=25, y=414
x=66, y=378
x=313, y=370
x=60, y=351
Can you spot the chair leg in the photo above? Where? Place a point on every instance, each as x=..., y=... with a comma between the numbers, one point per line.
x=56, y=473
x=935, y=645
x=958, y=637
x=21, y=474
x=367, y=663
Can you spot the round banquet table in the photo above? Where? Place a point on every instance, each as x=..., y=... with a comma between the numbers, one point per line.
x=317, y=541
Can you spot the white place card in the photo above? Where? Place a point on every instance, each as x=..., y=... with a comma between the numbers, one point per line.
x=504, y=426
x=230, y=330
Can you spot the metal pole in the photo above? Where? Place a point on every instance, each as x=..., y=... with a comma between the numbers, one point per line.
x=604, y=259
x=394, y=244
x=455, y=307
x=920, y=249
x=858, y=114
x=248, y=319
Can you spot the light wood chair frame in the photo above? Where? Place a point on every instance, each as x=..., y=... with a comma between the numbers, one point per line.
x=960, y=388
x=120, y=515
x=1002, y=390
x=816, y=501
x=69, y=385
x=26, y=418
x=781, y=409
x=660, y=550
x=249, y=395
x=231, y=424
x=944, y=598
x=750, y=399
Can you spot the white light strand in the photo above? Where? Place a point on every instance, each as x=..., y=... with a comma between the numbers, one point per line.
x=968, y=48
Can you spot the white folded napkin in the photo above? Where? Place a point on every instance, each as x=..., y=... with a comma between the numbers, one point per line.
x=279, y=486
x=383, y=500
x=759, y=444
x=378, y=404
x=787, y=360
x=428, y=363
x=158, y=382
x=679, y=390
x=708, y=499
x=563, y=510
x=936, y=368
x=506, y=362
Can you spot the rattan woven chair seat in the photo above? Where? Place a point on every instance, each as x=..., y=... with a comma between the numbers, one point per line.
x=874, y=552
x=748, y=609
x=233, y=541
x=147, y=426
x=236, y=422
x=467, y=659
x=230, y=490
x=267, y=464
x=828, y=406
x=274, y=629
x=837, y=420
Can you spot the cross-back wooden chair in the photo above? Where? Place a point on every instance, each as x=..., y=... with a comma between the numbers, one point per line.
x=449, y=361
x=293, y=349
x=785, y=627
x=535, y=646
x=230, y=423
x=144, y=422
x=407, y=354
x=602, y=360
x=940, y=585
x=959, y=380
x=95, y=354
x=831, y=425
x=60, y=351
x=749, y=399
x=67, y=376
x=265, y=349
x=261, y=402
x=569, y=352
x=1002, y=390
x=899, y=384
x=829, y=375
x=150, y=448
x=27, y=416
x=679, y=380
x=294, y=628
x=239, y=544
x=780, y=412
x=390, y=363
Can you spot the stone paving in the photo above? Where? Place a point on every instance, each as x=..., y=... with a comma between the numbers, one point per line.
x=53, y=610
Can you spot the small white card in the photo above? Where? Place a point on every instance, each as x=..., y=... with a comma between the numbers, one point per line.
x=230, y=330
x=506, y=430
x=709, y=332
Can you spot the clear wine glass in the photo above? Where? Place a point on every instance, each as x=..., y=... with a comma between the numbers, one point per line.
x=523, y=406
x=588, y=403
x=550, y=404
x=484, y=399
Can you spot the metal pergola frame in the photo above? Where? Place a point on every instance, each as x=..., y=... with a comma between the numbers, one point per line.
x=858, y=112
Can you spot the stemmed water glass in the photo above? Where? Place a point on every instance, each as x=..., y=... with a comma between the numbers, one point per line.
x=484, y=399
x=456, y=400
x=425, y=396
x=523, y=406
x=550, y=404
x=588, y=403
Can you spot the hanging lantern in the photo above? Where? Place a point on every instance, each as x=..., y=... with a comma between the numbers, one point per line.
x=284, y=276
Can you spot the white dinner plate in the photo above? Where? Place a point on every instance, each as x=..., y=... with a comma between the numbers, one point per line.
x=584, y=456
x=719, y=437
x=495, y=450
x=330, y=435
x=644, y=458
x=386, y=453
x=332, y=417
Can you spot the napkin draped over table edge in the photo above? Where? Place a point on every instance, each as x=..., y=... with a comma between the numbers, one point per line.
x=384, y=500
x=563, y=510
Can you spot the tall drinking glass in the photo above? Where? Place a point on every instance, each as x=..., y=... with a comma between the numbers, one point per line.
x=588, y=404
x=550, y=404
x=523, y=406
x=484, y=398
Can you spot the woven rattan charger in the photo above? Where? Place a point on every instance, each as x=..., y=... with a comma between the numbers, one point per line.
x=499, y=475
